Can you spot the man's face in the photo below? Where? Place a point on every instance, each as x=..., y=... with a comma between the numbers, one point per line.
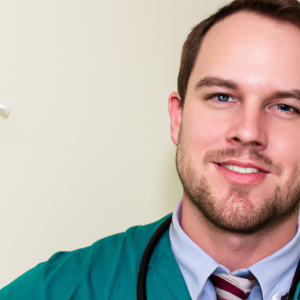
x=238, y=134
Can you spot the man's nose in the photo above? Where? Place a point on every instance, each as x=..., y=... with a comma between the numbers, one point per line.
x=248, y=127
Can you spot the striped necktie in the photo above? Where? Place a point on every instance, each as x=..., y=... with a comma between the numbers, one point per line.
x=229, y=287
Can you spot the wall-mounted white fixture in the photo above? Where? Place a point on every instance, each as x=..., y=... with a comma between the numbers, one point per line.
x=4, y=110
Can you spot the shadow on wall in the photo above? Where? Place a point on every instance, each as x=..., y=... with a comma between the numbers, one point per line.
x=170, y=183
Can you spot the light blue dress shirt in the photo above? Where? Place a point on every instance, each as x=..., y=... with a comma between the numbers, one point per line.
x=274, y=273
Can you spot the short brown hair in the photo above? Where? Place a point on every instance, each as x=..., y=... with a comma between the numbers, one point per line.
x=281, y=10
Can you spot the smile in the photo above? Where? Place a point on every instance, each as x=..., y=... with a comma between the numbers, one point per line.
x=241, y=172
x=240, y=169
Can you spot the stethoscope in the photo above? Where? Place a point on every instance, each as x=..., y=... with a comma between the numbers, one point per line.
x=141, y=284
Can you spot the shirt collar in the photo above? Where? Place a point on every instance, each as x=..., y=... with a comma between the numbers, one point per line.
x=196, y=265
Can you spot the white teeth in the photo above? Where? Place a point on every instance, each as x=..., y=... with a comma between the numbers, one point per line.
x=249, y=170
x=241, y=170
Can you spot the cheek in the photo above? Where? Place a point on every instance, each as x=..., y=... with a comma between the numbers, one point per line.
x=202, y=129
x=284, y=147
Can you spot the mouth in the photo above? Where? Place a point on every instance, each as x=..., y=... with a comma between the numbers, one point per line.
x=241, y=172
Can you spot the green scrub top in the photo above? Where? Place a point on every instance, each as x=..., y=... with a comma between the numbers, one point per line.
x=106, y=270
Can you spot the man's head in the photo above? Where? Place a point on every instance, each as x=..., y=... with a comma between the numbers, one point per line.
x=241, y=94
x=280, y=10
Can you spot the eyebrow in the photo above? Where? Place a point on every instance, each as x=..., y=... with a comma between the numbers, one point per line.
x=216, y=81
x=294, y=93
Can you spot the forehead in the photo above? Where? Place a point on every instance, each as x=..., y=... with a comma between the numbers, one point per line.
x=250, y=49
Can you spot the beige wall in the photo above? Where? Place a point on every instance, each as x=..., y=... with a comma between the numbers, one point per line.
x=86, y=151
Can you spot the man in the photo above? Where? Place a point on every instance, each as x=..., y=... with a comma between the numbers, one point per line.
x=236, y=121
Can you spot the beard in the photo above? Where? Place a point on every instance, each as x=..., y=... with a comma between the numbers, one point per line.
x=233, y=211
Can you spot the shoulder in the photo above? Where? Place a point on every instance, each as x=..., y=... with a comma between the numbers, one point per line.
x=91, y=270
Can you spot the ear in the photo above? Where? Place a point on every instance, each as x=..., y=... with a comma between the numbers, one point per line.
x=175, y=111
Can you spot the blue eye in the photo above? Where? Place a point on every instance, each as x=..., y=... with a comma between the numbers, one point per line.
x=287, y=108
x=220, y=97
x=223, y=97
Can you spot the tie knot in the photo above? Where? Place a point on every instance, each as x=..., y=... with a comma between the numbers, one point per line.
x=229, y=287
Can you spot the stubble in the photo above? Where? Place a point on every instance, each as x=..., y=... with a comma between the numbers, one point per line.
x=234, y=211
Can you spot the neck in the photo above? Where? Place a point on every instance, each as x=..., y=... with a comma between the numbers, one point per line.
x=222, y=245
